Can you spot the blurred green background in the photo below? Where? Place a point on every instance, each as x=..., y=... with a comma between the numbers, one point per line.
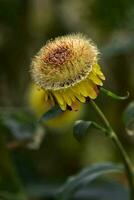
x=25, y=26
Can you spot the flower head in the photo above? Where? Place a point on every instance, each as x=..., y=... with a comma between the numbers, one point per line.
x=66, y=68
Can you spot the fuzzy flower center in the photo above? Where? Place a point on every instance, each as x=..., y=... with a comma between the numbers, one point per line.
x=57, y=56
x=64, y=62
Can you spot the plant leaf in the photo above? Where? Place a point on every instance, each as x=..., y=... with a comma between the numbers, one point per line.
x=85, y=177
x=50, y=114
x=113, y=95
x=128, y=118
x=20, y=124
x=101, y=191
x=81, y=128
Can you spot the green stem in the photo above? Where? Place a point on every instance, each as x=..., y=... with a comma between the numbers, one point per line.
x=123, y=153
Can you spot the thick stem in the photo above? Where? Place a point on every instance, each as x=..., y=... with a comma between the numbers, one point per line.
x=123, y=153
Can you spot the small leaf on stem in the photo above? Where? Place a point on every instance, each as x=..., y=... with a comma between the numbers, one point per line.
x=113, y=95
x=81, y=128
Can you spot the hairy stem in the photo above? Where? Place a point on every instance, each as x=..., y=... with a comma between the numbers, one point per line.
x=123, y=153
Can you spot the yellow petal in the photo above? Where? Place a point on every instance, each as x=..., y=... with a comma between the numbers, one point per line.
x=95, y=79
x=67, y=98
x=82, y=89
x=91, y=91
x=63, y=107
x=78, y=95
x=76, y=89
x=97, y=70
x=80, y=98
x=59, y=97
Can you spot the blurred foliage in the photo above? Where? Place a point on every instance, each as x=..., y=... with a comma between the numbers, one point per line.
x=129, y=118
x=32, y=160
x=84, y=178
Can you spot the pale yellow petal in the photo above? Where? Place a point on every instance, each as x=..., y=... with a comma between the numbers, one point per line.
x=59, y=97
x=78, y=95
x=97, y=70
x=67, y=98
x=95, y=79
x=82, y=89
x=91, y=91
x=81, y=98
x=63, y=107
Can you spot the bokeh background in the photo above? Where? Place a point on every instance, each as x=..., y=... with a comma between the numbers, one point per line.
x=25, y=26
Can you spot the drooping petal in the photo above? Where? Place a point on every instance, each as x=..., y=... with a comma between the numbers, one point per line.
x=95, y=79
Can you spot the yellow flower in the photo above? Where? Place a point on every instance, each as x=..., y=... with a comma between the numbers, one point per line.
x=37, y=104
x=67, y=70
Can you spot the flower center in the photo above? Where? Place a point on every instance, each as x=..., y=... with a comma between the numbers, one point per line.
x=57, y=56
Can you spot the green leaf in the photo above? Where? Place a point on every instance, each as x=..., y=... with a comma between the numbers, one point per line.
x=21, y=124
x=113, y=95
x=85, y=177
x=102, y=190
x=81, y=128
x=128, y=118
x=24, y=127
x=50, y=114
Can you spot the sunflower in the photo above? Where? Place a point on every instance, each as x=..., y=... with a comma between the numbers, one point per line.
x=67, y=69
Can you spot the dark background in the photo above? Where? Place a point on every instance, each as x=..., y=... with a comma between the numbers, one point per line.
x=25, y=26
